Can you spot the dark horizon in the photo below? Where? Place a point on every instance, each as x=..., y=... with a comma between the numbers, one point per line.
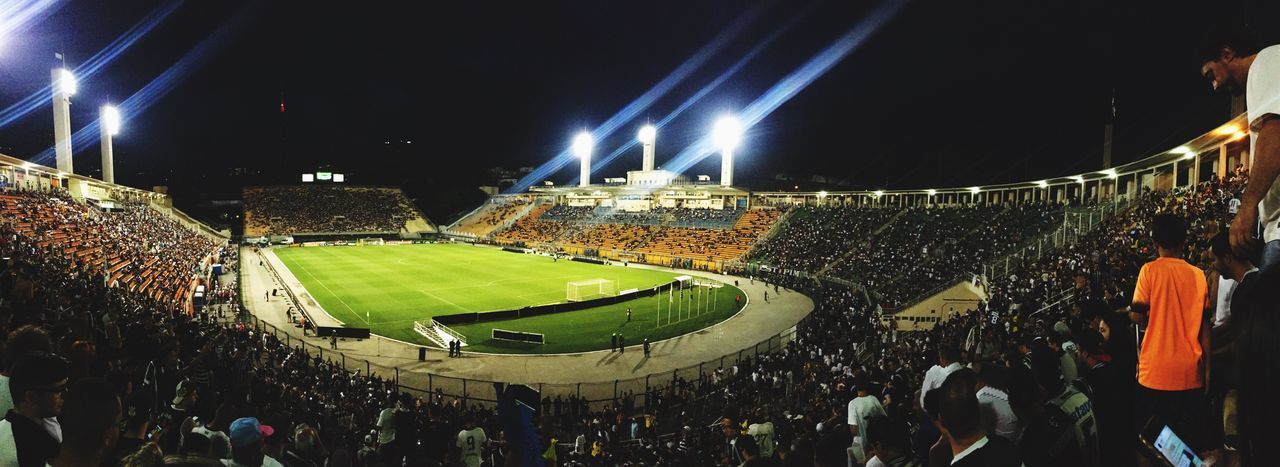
x=943, y=94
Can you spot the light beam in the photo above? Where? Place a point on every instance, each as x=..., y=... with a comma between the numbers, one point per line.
x=632, y=110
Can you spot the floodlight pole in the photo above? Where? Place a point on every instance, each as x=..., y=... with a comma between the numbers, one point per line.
x=647, y=162
x=584, y=171
x=108, y=153
x=62, y=121
x=726, y=167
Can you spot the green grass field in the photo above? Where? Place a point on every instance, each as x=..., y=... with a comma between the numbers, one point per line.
x=387, y=288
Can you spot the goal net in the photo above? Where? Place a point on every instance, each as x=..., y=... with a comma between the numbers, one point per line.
x=576, y=291
x=370, y=241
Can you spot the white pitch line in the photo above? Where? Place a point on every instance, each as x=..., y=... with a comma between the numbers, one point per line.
x=331, y=292
x=437, y=297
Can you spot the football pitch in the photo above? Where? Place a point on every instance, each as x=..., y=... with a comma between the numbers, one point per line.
x=387, y=288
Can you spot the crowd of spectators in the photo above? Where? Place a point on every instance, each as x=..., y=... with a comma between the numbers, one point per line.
x=900, y=254
x=131, y=246
x=814, y=237
x=287, y=210
x=657, y=232
x=1026, y=379
x=658, y=216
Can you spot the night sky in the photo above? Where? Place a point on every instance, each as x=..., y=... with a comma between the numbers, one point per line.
x=945, y=93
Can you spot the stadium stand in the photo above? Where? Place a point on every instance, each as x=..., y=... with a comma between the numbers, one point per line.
x=930, y=247
x=661, y=236
x=330, y=209
x=135, y=247
x=491, y=216
x=933, y=246
x=152, y=345
x=531, y=229
x=814, y=237
x=713, y=244
x=91, y=292
x=627, y=237
x=671, y=217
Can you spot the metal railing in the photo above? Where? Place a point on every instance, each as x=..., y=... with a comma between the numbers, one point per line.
x=1076, y=223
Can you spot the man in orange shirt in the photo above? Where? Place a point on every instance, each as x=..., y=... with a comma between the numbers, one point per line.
x=1170, y=299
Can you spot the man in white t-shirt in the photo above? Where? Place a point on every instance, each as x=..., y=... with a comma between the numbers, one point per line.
x=470, y=443
x=948, y=362
x=761, y=429
x=862, y=408
x=1232, y=63
x=387, y=429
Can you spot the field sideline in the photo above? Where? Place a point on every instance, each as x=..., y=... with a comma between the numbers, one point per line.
x=386, y=288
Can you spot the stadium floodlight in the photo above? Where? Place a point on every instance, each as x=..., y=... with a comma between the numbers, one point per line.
x=1238, y=135
x=582, y=145
x=931, y=192
x=1043, y=184
x=648, y=134
x=975, y=190
x=1227, y=130
x=111, y=119
x=727, y=133
x=1186, y=152
x=1110, y=173
x=822, y=193
x=581, y=148
x=878, y=193
x=66, y=82
x=1078, y=178
x=108, y=126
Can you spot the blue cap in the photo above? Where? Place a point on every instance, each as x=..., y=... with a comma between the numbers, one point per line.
x=246, y=431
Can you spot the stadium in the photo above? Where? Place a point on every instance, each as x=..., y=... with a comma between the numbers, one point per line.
x=266, y=287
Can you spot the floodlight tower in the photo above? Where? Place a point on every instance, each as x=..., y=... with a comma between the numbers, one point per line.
x=726, y=135
x=582, y=148
x=64, y=86
x=647, y=135
x=109, y=125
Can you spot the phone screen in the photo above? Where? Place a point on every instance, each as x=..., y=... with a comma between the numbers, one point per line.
x=1175, y=450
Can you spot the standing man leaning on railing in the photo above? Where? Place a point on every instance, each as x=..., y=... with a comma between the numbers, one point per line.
x=1232, y=63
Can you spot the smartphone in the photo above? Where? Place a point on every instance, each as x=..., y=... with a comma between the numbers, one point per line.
x=1165, y=445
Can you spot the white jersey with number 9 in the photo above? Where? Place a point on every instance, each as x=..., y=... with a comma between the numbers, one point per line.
x=469, y=443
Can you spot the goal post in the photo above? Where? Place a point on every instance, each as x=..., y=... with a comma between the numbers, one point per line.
x=370, y=241
x=577, y=291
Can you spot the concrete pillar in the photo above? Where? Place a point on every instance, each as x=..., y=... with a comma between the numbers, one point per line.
x=1222, y=160
x=726, y=168
x=62, y=121
x=647, y=163
x=108, y=162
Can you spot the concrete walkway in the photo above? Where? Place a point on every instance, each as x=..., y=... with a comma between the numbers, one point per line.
x=596, y=375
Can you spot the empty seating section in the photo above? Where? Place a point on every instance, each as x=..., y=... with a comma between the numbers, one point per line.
x=490, y=217
x=713, y=244
x=610, y=236
x=671, y=217
x=532, y=229
x=282, y=210
x=135, y=248
x=722, y=234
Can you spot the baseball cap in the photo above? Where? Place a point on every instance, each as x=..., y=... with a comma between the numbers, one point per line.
x=184, y=388
x=246, y=431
